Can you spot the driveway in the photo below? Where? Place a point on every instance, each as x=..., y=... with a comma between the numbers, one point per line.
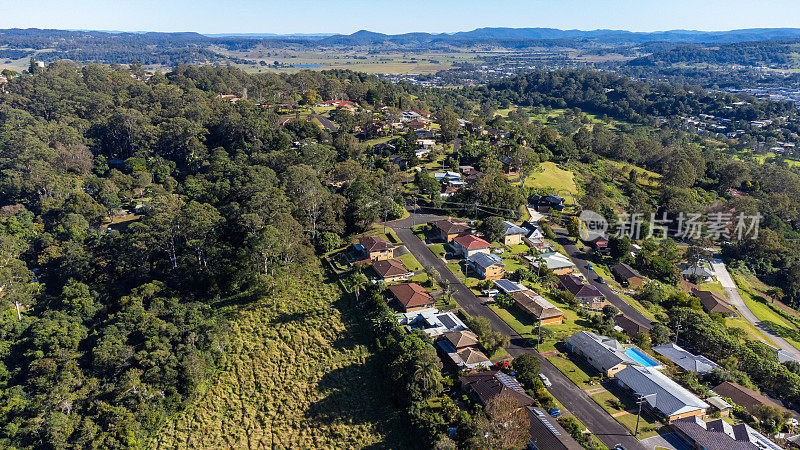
x=580, y=260
x=735, y=299
x=574, y=399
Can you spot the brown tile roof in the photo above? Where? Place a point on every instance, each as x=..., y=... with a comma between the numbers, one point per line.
x=461, y=338
x=630, y=326
x=375, y=244
x=535, y=304
x=390, y=268
x=625, y=271
x=744, y=397
x=472, y=356
x=450, y=227
x=713, y=302
x=411, y=295
x=574, y=285
x=471, y=242
x=487, y=385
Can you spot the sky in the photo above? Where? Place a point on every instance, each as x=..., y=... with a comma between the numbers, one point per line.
x=398, y=16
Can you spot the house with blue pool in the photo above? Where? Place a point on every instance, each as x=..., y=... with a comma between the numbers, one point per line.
x=605, y=354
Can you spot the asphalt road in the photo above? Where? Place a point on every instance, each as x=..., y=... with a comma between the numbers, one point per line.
x=732, y=292
x=580, y=259
x=574, y=399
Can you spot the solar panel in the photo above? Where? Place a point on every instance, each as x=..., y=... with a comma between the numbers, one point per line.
x=510, y=382
x=550, y=427
x=447, y=321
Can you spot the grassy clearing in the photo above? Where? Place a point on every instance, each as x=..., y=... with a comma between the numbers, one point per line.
x=713, y=286
x=295, y=375
x=770, y=317
x=553, y=177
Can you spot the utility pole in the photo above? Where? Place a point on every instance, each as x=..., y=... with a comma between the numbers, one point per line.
x=639, y=401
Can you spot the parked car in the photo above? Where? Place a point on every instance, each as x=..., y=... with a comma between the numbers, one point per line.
x=555, y=412
x=601, y=280
x=545, y=380
x=590, y=266
x=491, y=292
x=619, y=447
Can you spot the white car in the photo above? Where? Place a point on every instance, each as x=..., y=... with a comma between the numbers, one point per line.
x=491, y=292
x=545, y=380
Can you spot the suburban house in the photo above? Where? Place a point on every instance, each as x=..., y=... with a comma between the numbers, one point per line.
x=590, y=296
x=461, y=348
x=556, y=262
x=533, y=236
x=603, y=353
x=599, y=244
x=461, y=339
x=713, y=302
x=488, y=266
x=513, y=234
x=509, y=168
x=450, y=229
x=700, y=270
x=546, y=203
x=720, y=435
x=627, y=275
x=446, y=176
x=547, y=434
x=391, y=270
x=630, y=326
x=686, y=360
x=508, y=287
x=467, y=245
x=411, y=296
x=489, y=384
x=375, y=248
x=718, y=404
x=662, y=395
x=746, y=398
x=538, y=306
x=431, y=321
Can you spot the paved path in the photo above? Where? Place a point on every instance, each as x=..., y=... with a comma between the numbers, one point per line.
x=574, y=399
x=735, y=299
x=580, y=260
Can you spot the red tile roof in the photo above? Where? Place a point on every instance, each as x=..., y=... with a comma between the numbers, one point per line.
x=471, y=242
x=390, y=268
x=375, y=244
x=411, y=295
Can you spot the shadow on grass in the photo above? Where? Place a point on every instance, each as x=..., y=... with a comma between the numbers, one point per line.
x=782, y=331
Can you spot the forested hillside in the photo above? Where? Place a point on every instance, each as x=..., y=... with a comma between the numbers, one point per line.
x=118, y=318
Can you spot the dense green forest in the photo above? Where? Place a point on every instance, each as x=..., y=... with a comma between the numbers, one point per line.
x=118, y=327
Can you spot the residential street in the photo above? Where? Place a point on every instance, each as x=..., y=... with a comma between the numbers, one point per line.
x=735, y=299
x=580, y=260
x=596, y=419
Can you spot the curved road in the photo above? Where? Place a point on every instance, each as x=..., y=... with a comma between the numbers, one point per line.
x=595, y=418
x=735, y=299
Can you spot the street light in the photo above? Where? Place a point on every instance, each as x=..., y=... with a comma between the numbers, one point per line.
x=639, y=400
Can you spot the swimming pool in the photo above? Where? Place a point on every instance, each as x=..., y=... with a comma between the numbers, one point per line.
x=640, y=357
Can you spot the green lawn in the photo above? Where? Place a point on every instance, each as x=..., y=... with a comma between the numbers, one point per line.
x=713, y=286
x=553, y=177
x=614, y=401
x=438, y=250
x=778, y=324
x=455, y=267
x=578, y=372
x=410, y=262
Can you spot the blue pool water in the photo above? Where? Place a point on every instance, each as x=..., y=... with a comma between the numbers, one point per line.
x=640, y=357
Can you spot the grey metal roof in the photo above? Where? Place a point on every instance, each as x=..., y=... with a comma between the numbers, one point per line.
x=670, y=398
x=508, y=286
x=711, y=436
x=513, y=229
x=601, y=351
x=681, y=357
